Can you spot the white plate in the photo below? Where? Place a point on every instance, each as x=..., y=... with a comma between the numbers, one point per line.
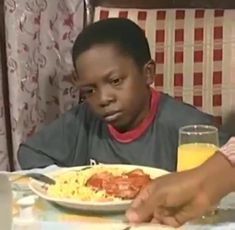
x=110, y=206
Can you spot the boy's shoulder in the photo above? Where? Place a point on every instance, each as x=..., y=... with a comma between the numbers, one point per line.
x=170, y=110
x=80, y=112
x=78, y=109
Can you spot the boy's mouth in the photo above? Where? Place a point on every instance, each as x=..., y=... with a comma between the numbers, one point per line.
x=112, y=116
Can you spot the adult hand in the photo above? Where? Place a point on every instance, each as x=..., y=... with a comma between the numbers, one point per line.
x=172, y=200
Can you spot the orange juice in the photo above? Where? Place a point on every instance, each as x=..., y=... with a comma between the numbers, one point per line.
x=194, y=154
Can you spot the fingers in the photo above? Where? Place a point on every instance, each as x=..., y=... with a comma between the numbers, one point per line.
x=170, y=221
x=142, y=197
x=162, y=202
x=186, y=214
x=166, y=216
x=151, y=207
x=146, y=209
x=141, y=209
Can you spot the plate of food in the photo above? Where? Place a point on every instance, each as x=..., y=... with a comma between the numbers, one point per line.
x=96, y=188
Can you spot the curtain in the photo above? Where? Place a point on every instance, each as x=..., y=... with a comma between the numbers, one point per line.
x=3, y=146
x=39, y=38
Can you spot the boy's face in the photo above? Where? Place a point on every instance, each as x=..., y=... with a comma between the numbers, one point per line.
x=113, y=85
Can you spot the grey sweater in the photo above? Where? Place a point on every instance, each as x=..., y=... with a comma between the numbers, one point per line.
x=79, y=137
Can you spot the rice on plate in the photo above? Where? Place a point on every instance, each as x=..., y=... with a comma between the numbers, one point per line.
x=72, y=185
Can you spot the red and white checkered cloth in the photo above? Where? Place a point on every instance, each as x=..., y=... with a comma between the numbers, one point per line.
x=194, y=51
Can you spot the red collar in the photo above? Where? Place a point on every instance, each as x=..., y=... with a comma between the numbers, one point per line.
x=132, y=135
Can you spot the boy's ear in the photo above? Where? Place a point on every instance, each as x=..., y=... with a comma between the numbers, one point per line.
x=149, y=71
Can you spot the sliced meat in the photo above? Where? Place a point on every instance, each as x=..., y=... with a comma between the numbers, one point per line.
x=136, y=172
x=121, y=187
x=139, y=181
x=126, y=186
x=98, y=180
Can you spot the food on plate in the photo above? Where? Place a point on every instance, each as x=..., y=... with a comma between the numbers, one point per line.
x=125, y=186
x=99, y=184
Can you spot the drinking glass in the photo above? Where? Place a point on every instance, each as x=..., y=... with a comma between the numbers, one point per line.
x=197, y=143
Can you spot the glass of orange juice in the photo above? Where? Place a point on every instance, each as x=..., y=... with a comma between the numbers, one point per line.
x=197, y=143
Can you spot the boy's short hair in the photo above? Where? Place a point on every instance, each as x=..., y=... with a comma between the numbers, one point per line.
x=124, y=33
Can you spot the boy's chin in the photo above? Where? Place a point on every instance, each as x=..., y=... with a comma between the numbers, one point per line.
x=120, y=127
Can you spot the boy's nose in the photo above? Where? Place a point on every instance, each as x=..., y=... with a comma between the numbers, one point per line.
x=105, y=98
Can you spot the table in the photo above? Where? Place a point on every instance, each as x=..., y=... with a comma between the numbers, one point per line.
x=50, y=216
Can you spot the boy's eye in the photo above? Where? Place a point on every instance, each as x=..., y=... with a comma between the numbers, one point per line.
x=87, y=92
x=116, y=81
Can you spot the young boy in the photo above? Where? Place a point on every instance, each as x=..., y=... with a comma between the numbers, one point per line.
x=122, y=119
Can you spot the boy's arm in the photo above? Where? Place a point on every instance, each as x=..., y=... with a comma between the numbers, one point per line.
x=62, y=143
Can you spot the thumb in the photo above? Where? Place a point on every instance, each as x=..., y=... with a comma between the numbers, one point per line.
x=142, y=207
